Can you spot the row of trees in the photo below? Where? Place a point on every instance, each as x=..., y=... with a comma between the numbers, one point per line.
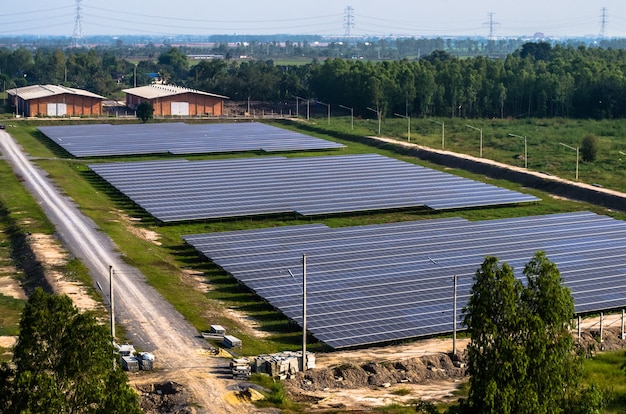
x=536, y=81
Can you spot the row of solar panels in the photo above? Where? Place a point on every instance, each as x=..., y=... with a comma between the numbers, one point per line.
x=179, y=138
x=389, y=282
x=185, y=190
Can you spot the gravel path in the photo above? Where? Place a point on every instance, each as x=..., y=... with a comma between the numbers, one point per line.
x=151, y=322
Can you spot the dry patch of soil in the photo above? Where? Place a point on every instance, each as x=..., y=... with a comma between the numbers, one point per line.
x=8, y=341
x=8, y=285
x=51, y=255
x=139, y=232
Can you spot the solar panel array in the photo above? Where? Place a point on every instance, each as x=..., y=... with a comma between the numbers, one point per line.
x=187, y=190
x=179, y=138
x=388, y=282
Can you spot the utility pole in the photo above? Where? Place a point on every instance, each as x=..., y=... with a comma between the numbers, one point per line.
x=111, y=300
x=303, y=287
x=377, y=110
x=304, y=358
x=351, y=115
x=408, y=131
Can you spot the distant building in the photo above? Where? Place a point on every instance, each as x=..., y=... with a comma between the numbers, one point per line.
x=169, y=100
x=53, y=100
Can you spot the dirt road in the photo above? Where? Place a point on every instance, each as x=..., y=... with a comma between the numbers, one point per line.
x=151, y=322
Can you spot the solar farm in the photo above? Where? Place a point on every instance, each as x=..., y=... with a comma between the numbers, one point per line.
x=101, y=140
x=388, y=282
x=191, y=190
x=365, y=284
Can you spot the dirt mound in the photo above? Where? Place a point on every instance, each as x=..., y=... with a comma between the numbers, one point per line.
x=377, y=374
x=611, y=340
x=167, y=397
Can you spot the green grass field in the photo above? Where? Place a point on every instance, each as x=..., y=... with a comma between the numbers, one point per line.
x=165, y=264
x=543, y=137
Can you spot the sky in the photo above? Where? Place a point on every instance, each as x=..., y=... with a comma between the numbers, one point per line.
x=376, y=18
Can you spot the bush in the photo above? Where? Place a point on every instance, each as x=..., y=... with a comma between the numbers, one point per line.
x=589, y=148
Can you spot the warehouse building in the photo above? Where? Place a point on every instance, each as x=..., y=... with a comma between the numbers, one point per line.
x=170, y=100
x=53, y=100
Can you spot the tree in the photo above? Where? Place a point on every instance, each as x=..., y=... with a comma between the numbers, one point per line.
x=521, y=355
x=145, y=111
x=589, y=148
x=63, y=362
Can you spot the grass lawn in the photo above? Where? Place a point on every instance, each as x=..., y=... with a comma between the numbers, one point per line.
x=605, y=370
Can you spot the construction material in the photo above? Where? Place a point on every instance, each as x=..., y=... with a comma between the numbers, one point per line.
x=240, y=368
x=231, y=342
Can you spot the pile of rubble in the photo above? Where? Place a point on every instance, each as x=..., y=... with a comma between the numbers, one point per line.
x=168, y=397
x=379, y=374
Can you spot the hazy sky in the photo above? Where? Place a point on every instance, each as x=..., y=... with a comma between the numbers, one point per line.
x=324, y=17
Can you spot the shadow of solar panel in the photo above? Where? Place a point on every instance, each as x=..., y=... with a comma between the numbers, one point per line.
x=184, y=190
x=179, y=138
x=389, y=282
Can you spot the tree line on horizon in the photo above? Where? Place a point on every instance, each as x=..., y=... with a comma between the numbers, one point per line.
x=537, y=80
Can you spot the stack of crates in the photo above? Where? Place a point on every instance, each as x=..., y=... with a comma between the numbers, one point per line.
x=146, y=361
x=240, y=368
x=231, y=342
x=130, y=363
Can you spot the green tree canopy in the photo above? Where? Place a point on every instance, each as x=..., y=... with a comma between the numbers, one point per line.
x=521, y=355
x=145, y=111
x=63, y=362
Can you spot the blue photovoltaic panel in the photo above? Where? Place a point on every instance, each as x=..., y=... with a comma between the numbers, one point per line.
x=179, y=138
x=388, y=282
x=185, y=190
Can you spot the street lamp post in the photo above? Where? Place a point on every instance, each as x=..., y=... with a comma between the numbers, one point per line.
x=577, y=151
x=298, y=99
x=408, y=118
x=327, y=106
x=377, y=110
x=525, y=148
x=304, y=358
x=443, y=132
x=481, y=138
x=351, y=115
x=307, y=106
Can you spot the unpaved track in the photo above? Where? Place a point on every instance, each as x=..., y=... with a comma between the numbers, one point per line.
x=151, y=322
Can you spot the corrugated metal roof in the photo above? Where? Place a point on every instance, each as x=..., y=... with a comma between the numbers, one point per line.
x=160, y=91
x=42, y=91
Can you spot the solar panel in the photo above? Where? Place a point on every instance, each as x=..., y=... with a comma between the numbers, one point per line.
x=185, y=190
x=179, y=138
x=389, y=282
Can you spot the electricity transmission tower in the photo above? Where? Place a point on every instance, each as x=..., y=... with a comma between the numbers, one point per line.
x=603, y=22
x=348, y=21
x=78, y=39
x=492, y=25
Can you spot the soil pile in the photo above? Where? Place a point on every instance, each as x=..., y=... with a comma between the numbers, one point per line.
x=380, y=374
x=167, y=397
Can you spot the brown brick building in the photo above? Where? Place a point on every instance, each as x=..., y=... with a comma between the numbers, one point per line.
x=53, y=100
x=169, y=100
